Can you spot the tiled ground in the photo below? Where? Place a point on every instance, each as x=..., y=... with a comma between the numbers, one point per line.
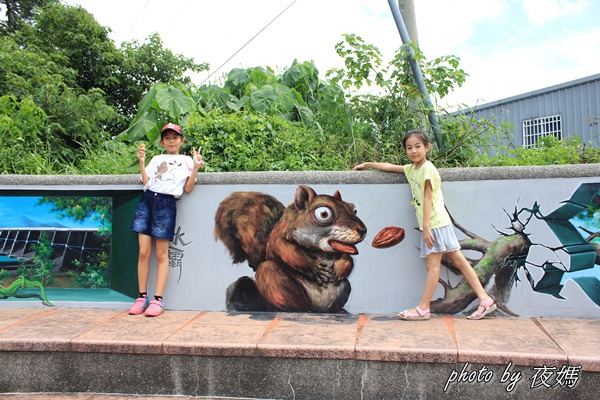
x=93, y=396
x=443, y=339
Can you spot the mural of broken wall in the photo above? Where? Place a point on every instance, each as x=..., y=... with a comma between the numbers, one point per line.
x=304, y=255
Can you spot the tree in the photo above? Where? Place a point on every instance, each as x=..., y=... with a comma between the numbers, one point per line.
x=62, y=68
x=19, y=11
x=144, y=65
x=74, y=39
x=80, y=42
x=79, y=209
x=41, y=98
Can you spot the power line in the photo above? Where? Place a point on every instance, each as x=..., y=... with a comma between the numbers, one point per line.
x=180, y=12
x=138, y=18
x=248, y=42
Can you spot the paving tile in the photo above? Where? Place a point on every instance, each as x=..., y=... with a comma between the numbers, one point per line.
x=506, y=340
x=135, y=334
x=139, y=397
x=15, y=315
x=331, y=336
x=51, y=330
x=220, y=334
x=91, y=396
x=386, y=338
x=580, y=339
x=447, y=339
x=50, y=396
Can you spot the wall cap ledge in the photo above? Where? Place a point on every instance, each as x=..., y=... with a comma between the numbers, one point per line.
x=309, y=177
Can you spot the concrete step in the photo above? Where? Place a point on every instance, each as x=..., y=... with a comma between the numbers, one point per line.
x=98, y=396
x=77, y=352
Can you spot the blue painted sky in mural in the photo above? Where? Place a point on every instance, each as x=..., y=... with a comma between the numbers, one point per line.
x=24, y=212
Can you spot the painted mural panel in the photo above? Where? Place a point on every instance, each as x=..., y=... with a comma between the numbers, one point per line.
x=533, y=242
x=301, y=254
x=507, y=261
x=540, y=261
x=54, y=242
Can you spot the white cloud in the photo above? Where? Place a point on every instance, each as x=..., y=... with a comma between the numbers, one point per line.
x=447, y=25
x=212, y=31
x=517, y=70
x=542, y=11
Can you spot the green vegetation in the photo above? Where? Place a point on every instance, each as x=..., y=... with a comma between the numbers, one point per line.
x=549, y=151
x=42, y=263
x=66, y=90
x=72, y=102
x=93, y=272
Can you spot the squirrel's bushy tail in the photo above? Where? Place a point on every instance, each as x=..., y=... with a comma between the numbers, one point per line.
x=243, y=222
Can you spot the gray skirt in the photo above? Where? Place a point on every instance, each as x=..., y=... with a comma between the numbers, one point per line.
x=445, y=241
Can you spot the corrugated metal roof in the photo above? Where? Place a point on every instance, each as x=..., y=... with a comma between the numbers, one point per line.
x=577, y=103
x=538, y=92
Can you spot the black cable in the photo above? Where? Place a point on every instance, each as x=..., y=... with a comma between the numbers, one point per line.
x=248, y=42
x=138, y=18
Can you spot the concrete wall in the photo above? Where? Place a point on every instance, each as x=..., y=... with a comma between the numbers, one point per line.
x=483, y=201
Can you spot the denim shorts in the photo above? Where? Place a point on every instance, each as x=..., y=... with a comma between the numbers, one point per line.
x=155, y=215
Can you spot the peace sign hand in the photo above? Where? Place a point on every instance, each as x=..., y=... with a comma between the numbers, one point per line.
x=197, y=157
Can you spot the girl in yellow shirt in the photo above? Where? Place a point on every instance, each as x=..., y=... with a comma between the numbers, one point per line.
x=438, y=237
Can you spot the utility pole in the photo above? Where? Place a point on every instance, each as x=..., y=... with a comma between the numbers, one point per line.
x=409, y=10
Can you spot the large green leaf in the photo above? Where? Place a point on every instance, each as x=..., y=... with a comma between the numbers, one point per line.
x=148, y=102
x=305, y=113
x=238, y=77
x=174, y=101
x=303, y=77
x=263, y=100
x=239, y=104
x=214, y=96
x=146, y=125
x=300, y=101
x=260, y=76
x=291, y=76
x=286, y=98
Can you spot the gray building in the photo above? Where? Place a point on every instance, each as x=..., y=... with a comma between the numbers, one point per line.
x=565, y=110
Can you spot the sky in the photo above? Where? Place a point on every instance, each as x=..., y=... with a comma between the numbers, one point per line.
x=24, y=212
x=508, y=47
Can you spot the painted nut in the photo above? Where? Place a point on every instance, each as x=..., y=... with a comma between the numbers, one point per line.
x=388, y=237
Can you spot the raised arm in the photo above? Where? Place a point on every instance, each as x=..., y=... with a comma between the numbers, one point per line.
x=142, y=159
x=387, y=167
x=198, y=163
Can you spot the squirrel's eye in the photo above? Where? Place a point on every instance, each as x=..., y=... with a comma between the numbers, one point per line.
x=354, y=210
x=323, y=215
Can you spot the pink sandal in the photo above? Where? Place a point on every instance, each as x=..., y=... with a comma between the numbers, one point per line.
x=406, y=315
x=488, y=305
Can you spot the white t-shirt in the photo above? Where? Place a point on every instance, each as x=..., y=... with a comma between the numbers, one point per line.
x=167, y=173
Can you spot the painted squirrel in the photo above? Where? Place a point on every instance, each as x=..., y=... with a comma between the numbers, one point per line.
x=301, y=254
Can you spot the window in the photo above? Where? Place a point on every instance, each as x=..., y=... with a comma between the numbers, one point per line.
x=534, y=129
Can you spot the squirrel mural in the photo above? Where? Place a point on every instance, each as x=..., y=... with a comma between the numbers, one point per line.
x=301, y=254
